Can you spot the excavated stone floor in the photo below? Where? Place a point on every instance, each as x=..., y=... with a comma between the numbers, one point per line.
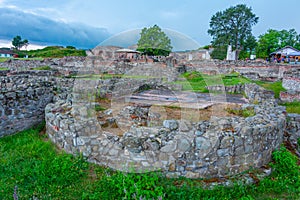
x=184, y=99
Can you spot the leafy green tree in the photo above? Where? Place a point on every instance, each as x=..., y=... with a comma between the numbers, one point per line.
x=249, y=47
x=289, y=38
x=219, y=52
x=274, y=39
x=154, y=41
x=250, y=44
x=268, y=43
x=232, y=26
x=18, y=43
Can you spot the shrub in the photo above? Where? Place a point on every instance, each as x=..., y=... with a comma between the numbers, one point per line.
x=249, y=112
x=137, y=186
x=286, y=164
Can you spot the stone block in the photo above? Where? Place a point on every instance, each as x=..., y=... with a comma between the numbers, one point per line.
x=170, y=124
x=169, y=147
x=183, y=144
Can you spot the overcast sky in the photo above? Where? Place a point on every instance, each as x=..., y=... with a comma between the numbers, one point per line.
x=86, y=23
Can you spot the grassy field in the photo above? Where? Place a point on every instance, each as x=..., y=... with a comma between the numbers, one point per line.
x=3, y=68
x=292, y=107
x=54, y=52
x=31, y=167
x=276, y=87
x=3, y=59
x=197, y=82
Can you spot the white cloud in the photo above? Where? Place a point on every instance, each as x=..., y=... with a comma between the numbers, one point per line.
x=170, y=14
x=11, y=6
x=7, y=44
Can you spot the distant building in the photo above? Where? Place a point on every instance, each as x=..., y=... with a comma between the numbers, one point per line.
x=127, y=54
x=4, y=53
x=200, y=54
x=283, y=52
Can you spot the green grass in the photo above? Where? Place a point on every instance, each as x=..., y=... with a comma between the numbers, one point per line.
x=54, y=52
x=197, y=82
x=276, y=87
x=242, y=113
x=99, y=108
x=3, y=68
x=292, y=107
x=42, y=68
x=32, y=165
x=35, y=58
x=4, y=59
x=36, y=168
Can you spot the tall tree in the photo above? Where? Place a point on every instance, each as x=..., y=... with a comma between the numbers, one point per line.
x=18, y=43
x=232, y=26
x=154, y=41
x=288, y=38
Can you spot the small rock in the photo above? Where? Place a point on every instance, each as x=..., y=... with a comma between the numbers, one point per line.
x=170, y=124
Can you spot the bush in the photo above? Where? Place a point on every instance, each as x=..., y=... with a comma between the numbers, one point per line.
x=249, y=112
x=219, y=53
x=286, y=164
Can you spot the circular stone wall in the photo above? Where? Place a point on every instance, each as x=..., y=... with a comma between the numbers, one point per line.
x=214, y=148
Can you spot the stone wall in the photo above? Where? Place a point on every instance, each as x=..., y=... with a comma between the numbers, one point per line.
x=293, y=129
x=257, y=94
x=252, y=70
x=214, y=148
x=291, y=82
x=289, y=96
x=96, y=64
x=24, y=96
x=228, y=89
x=22, y=100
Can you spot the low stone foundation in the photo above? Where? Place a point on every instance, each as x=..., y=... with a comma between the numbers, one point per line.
x=291, y=82
x=289, y=96
x=215, y=148
x=228, y=89
x=293, y=129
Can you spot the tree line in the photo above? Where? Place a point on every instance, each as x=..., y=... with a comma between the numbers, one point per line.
x=233, y=26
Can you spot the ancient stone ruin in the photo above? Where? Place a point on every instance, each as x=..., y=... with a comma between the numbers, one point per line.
x=135, y=131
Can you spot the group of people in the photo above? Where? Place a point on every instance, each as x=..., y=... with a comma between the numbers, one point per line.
x=282, y=59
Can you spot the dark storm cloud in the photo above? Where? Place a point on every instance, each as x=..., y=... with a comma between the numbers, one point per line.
x=46, y=31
